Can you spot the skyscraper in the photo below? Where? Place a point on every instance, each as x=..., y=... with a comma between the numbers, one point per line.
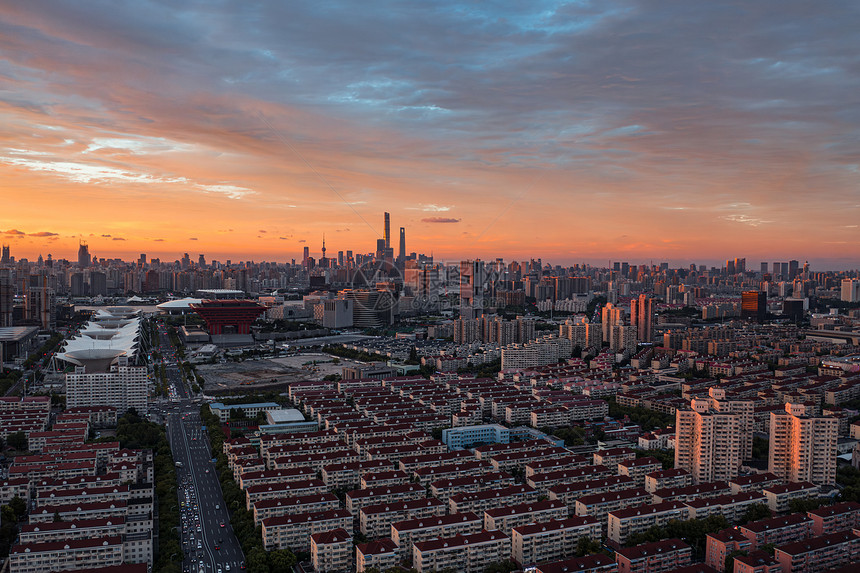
x=754, y=305
x=6, y=258
x=6, y=297
x=471, y=288
x=387, y=236
x=802, y=447
x=610, y=315
x=642, y=317
x=83, y=255
x=708, y=442
x=401, y=253
x=850, y=290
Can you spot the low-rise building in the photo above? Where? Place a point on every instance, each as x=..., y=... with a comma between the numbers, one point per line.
x=506, y=518
x=551, y=540
x=331, y=551
x=406, y=533
x=777, y=530
x=656, y=557
x=380, y=554
x=463, y=553
x=836, y=517
x=779, y=496
x=819, y=553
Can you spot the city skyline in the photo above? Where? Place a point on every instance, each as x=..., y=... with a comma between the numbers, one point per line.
x=632, y=130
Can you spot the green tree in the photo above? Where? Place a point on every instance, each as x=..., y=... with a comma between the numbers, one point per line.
x=587, y=546
x=281, y=561
x=257, y=561
x=755, y=513
x=730, y=560
x=18, y=440
x=505, y=566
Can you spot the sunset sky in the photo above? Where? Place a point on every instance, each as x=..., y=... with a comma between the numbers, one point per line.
x=639, y=130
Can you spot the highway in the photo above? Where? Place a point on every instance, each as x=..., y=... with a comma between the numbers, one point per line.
x=208, y=541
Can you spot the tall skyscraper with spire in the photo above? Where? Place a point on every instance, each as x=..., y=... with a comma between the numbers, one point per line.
x=387, y=231
x=323, y=260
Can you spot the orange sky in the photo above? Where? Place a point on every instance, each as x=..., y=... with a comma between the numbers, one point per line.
x=248, y=138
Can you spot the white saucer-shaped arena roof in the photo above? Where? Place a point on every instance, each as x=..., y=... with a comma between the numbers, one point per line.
x=94, y=359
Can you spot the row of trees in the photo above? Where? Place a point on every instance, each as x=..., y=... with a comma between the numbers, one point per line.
x=43, y=350
x=134, y=432
x=353, y=354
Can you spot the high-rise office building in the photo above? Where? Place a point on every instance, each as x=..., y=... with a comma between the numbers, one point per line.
x=83, y=255
x=708, y=442
x=6, y=258
x=740, y=265
x=763, y=268
x=642, y=317
x=803, y=447
x=6, y=297
x=793, y=269
x=471, y=288
x=306, y=253
x=387, y=236
x=850, y=290
x=401, y=253
x=754, y=305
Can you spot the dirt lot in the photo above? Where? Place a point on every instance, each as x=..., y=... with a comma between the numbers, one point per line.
x=252, y=373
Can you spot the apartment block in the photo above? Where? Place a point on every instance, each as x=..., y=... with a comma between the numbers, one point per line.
x=380, y=554
x=555, y=464
x=123, y=387
x=383, y=479
x=732, y=507
x=598, y=505
x=358, y=498
x=803, y=447
x=638, y=468
x=570, y=492
x=836, y=517
x=481, y=501
x=753, y=482
x=780, y=496
x=778, y=530
x=719, y=545
x=283, y=489
x=375, y=520
x=612, y=457
x=671, y=478
x=463, y=553
x=551, y=540
x=313, y=503
x=68, y=554
x=757, y=562
x=444, y=489
x=506, y=518
x=819, y=553
x=708, y=442
x=657, y=557
x=623, y=523
x=406, y=533
x=331, y=551
x=546, y=481
x=339, y=475
x=294, y=531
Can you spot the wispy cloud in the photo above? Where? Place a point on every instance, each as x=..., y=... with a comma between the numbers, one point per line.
x=440, y=220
